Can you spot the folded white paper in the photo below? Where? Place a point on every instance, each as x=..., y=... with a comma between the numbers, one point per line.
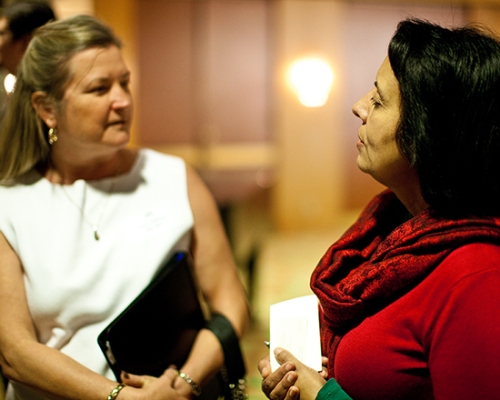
x=294, y=326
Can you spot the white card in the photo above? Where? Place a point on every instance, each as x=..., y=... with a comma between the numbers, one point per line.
x=294, y=326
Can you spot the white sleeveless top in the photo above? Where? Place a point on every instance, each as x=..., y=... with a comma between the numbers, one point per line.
x=76, y=285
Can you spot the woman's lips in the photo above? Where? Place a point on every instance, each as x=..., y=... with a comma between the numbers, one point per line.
x=119, y=122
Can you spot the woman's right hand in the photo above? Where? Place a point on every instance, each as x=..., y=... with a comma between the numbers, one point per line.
x=284, y=383
x=151, y=388
x=279, y=385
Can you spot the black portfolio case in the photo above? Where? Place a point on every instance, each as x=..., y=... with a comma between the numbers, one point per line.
x=158, y=328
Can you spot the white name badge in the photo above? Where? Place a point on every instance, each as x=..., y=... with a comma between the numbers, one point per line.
x=146, y=224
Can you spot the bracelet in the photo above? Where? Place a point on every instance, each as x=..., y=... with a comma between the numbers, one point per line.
x=196, y=388
x=115, y=391
x=233, y=358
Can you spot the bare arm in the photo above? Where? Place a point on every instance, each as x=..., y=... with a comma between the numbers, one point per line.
x=23, y=358
x=45, y=369
x=218, y=278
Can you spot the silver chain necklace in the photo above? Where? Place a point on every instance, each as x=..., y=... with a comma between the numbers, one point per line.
x=94, y=226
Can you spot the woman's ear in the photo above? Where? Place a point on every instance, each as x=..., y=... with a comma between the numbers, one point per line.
x=44, y=108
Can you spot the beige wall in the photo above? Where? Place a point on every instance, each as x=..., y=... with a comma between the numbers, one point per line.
x=65, y=8
x=209, y=86
x=204, y=89
x=319, y=183
x=307, y=193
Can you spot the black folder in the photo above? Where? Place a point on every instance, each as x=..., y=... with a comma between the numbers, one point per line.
x=159, y=327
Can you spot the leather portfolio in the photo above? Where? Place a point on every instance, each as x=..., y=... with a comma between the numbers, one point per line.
x=159, y=327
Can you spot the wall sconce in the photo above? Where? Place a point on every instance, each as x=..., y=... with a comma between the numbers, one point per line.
x=312, y=79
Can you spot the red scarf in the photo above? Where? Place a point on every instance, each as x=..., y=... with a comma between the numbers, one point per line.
x=380, y=257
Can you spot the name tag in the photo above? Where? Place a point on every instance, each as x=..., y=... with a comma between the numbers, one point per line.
x=145, y=225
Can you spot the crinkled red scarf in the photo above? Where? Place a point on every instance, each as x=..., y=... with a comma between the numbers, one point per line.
x=381, y=257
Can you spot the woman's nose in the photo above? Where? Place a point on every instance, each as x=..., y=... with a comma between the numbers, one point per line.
x=360, y=108
x=121, y=97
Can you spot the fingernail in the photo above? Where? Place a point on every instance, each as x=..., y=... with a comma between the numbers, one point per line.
x=288, y=367
x=277, y=350
x=126, y=375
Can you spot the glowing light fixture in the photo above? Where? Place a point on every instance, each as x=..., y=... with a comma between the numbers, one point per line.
x=9, y=83
x=312, y=79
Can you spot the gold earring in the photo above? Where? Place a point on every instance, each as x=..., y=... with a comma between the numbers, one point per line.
x=52, y=135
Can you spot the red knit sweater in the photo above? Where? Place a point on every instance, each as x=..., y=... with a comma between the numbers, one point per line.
x=440, y=340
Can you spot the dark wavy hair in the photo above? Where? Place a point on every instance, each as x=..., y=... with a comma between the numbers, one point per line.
x=449, y=130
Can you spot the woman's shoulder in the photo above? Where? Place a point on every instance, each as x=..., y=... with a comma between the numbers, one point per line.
x=473, y=258
x=154, y=166
x=151, y=162
x=155, y=156
x=28, y=179
x=473, y=265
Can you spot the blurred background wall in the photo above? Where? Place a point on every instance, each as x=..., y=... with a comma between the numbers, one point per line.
x=210, y=84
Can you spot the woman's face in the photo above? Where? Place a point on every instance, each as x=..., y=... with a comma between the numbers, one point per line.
x=96, y=110
x=379, y=111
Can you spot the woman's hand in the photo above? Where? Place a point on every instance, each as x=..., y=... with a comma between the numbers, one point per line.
x=292, y=379
x=324, y=371
x=160, y=388
x=278, y=385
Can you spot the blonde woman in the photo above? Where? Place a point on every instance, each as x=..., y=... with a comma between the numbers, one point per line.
x=86, y=222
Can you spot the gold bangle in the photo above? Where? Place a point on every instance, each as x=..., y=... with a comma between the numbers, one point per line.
x=194, y=386
x=115, y=391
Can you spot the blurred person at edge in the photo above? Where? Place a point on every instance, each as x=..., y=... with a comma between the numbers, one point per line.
x=17, y=23
x=409, y=295
x=86, y=222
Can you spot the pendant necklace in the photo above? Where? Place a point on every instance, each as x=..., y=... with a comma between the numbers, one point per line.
x=94, y=226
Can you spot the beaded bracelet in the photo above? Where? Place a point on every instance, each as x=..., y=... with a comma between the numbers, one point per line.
x=195, y=387
x=115, y=391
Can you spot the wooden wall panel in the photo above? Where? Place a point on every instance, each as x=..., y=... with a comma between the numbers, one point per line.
x=165, y=55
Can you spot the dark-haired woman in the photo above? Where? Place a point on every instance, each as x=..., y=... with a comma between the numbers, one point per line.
x=410, y=293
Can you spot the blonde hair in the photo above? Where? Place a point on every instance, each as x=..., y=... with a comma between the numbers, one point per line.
x=45, y=68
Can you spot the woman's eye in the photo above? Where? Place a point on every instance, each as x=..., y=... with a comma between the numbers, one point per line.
x=98, y=89
x=125, y=84
x=375, y=102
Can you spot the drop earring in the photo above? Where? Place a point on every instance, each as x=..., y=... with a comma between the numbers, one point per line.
x=52, y=135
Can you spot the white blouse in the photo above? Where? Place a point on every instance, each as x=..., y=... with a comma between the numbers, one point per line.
x=76, y=285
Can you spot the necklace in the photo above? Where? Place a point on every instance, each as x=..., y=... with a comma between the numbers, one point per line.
x=94, y=226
